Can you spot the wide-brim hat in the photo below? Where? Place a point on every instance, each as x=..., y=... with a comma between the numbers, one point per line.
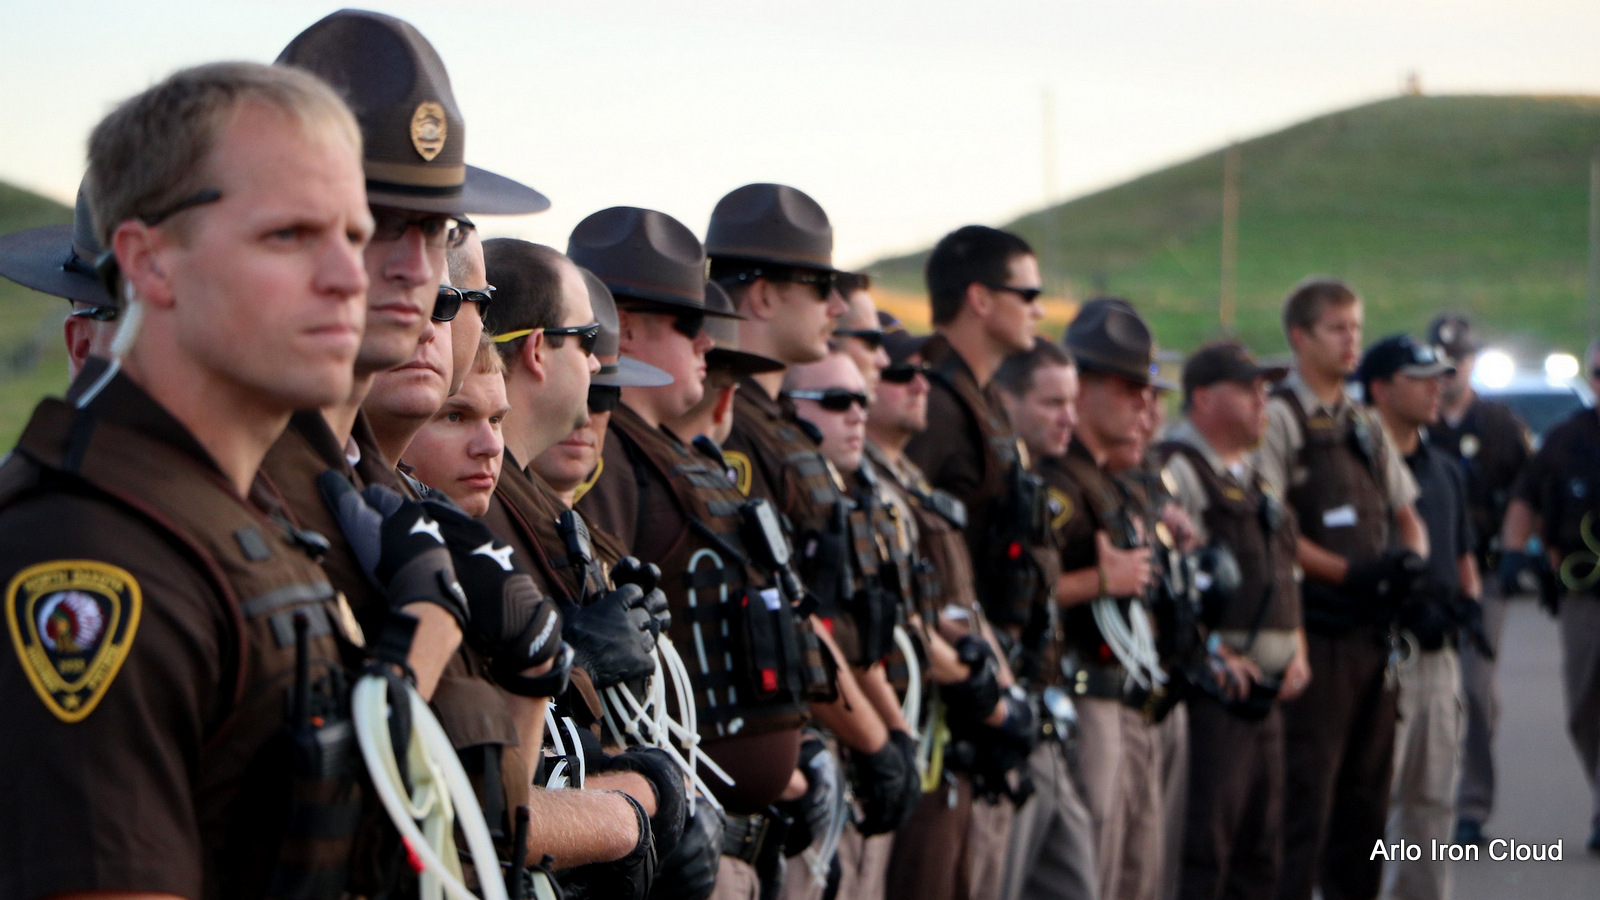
x=626, y=371
x=646, y=258
x=414, y=138
x=58, y=259
x=1452, y=332
x=1109, y=336
x=771, y=223
x=724, y=331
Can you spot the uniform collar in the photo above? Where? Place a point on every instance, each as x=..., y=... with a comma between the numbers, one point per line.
x=1309, y=401
x=125, y=404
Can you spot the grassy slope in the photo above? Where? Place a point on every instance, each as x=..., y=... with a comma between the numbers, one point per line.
x=1476, y=203
x=25, y=314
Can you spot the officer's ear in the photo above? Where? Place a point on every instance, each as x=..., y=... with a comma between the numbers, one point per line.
x=979, y=299
x=139, y=249
x=533, y=353
x=628, y=332
x=761, y=300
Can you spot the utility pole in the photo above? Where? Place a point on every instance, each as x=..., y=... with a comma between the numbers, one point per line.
x=1227, y=307
x=1048, y=253
x=1594, y=243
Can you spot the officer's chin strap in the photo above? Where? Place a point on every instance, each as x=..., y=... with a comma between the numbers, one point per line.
x=441, y=796
x=1131, y=639
x=651, y=724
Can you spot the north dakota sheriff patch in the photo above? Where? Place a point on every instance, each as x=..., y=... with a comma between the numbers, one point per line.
x=72, y=622
x=1060, y=507
x=739, y=470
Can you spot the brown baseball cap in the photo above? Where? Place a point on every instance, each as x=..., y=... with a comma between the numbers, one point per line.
x=626, y=371
x=58, y=259
x=724, y=331
x=1226, y=361
x=414, y=139
x=771, y=223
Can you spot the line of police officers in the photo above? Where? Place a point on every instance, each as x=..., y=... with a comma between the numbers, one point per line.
x=944, y=619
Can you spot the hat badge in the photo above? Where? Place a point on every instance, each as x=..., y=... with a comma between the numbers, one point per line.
x=428, y=129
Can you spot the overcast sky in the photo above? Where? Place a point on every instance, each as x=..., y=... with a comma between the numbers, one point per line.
x=904, y=119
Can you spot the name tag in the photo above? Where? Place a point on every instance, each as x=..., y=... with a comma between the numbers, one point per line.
x=1339, y=517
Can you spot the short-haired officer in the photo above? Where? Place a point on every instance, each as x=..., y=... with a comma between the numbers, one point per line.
x=1360, y=542
x=147, y=595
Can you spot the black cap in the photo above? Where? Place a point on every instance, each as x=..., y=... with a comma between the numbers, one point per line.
x=1452, y=332
x=1226, y=361
x=1399, y=354
x=899, y=343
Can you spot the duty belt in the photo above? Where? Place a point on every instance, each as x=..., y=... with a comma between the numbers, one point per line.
x=743, y=837
x=1103, y=682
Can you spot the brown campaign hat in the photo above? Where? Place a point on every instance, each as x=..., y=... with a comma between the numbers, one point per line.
x=626, y=371
x=1452, y=333
x=1109, y=336
x=724, y=332
x=1226, y=361
x=771, y=223
x=646, y=258
x=412, y=131
x=58, y=259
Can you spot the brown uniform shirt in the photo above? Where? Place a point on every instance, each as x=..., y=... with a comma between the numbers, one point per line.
x=124, y=659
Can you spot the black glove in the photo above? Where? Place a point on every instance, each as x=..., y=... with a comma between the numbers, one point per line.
x=886, y=784
x=628, y=878
x=1509, y=571
x=611, y=638
x=970, y=702
x=689, y=872
x=667, y=781
x=398, y=544
x=1426, y=613
x=1468, y=614
x=629, y=570
x=811, y=811
x=1382, y=583
x=513, y=623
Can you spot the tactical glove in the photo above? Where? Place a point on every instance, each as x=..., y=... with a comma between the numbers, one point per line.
x=629, y=570
x=689, y=872
x=398, y=544
x=1381, y=583
x=971, y=701
x=1427, y=614
x=612, y=638
x=887, y=784
x=812, y=810
x=671, y=791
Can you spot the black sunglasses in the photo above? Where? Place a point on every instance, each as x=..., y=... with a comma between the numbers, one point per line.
x=833, y=399
x=689, y=324
x=439, y=231
x=872, y=337
x=603, y=398
x=902, y=373
x=824, y=283
x=448, y=303
x=1028, y=295
x=97, y=313
x=587, y=335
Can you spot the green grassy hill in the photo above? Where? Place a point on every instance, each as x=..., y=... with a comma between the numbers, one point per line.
x=33, y=361
x=1473, y=203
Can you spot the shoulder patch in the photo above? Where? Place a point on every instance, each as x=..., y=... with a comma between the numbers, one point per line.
x=72, y=622
x=739, y=470
x=1060, y=506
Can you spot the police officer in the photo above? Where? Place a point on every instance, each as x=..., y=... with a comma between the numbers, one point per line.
x=1113, y=665
x=1361, y=542
x=675, y=507
x=771, y=248
x=1402, y=379
x=59, y=260
x=1233, y=835
x=1490, y=444
x=1556, y=495
x=137, y=566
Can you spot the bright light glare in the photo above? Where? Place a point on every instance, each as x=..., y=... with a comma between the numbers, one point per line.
x=1560, y=366
x=1494, y=369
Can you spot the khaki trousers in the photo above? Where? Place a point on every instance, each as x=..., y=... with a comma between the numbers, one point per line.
x=987, y=840
x=1580, y=653
x=864, y=865
x=1174, y=750
x=1427, y=766
x=736, y=880
x=1475, y=797
x=1122, y=787
x=1051, y=855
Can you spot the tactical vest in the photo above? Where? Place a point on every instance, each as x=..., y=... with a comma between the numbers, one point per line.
x=274, y=825
x=1238, y=517
x=882, y=570
x=743, y=652
x=1107, y=510
x=1344, y=458
x=942, y=573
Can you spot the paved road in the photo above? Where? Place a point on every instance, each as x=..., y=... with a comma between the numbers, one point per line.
x=1542, y=796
